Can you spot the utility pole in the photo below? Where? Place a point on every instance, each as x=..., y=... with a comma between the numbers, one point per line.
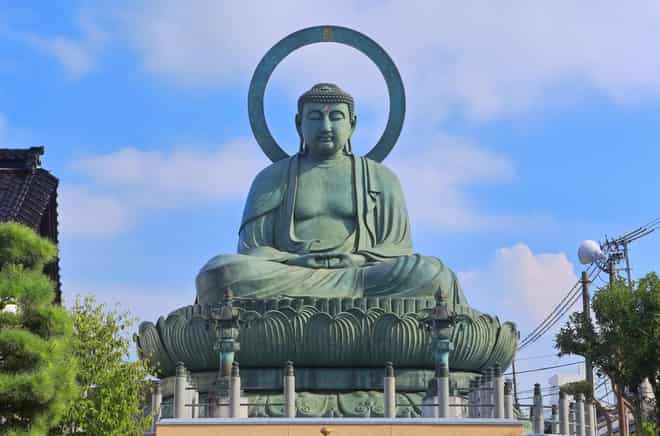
x=621, y=407
x=628, y=268
x=515, y=383
x=588, y=368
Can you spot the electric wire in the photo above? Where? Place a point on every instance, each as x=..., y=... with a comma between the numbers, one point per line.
x=547, y=388
x=544, y=368
x=559, y=311
x=545, y=356
x=572, y=296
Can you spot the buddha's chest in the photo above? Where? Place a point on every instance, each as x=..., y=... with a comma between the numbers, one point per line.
x=325, y=192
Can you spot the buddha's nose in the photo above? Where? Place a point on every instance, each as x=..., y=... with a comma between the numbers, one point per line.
x=326, y=126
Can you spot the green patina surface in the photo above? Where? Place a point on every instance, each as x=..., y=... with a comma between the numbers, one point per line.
x=325, y=272
x=328, y=332
x=325, y=222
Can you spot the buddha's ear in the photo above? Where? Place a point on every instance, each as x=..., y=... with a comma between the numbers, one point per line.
x=353, y=124
x=298, y=121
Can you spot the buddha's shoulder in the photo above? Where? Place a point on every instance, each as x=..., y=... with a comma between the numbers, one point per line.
x=267, y=190
x=273, y=175
x=380, y=175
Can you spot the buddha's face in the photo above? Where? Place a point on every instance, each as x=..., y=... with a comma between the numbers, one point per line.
x=326, y=128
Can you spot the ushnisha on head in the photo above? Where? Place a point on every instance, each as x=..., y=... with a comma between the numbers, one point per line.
x=325, y=120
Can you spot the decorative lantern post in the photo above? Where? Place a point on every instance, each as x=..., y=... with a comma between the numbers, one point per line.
x=440, y=322
x=225, y=321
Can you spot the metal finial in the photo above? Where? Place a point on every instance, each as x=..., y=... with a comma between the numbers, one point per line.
x=389, y=369
x=288, y=368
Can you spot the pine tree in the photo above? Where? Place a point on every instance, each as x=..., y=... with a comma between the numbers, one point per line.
x=37, y=372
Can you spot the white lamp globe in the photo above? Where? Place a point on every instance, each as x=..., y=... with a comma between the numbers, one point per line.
x=589, y=252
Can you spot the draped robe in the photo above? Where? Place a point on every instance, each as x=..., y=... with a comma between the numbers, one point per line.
x=267, y=240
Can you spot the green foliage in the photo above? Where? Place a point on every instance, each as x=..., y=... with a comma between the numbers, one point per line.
x=112, y=388
x=580, y=387
x=623, y=342
x=20, y=245
x=37, y=374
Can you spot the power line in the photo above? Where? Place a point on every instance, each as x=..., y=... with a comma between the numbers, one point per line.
x=545, y=356
x=545, y=368
x=552, y=394
x=547, y=388
x=558, y=312
x=573, y=294
x=558, y=309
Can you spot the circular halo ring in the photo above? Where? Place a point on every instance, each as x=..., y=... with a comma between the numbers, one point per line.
x=313, y=35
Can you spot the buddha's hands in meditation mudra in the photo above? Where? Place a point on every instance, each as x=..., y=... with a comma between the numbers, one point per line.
x=325, y=222
x=338, y=260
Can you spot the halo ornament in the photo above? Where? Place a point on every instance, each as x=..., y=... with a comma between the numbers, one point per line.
x=313, y=35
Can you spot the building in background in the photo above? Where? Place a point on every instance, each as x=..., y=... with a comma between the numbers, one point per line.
x=28, y=195
x=557, y=380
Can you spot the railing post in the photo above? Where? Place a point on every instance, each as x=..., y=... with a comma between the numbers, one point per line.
x=471, y=399
x=579, y=415
x=214, y=410
x=195, y=404
x=235, y=392
x=180, y=391
x=508, y=399
x=480, y=397
x=589, y=414
x=538, y=425
x=491, y=393
x=498, y=392
x=555, y=420
x=571, y=418
x=156, y=402
x=191, y=397
x=389, y=391
x=289, y=383
x=443, y=391
x=563, y=414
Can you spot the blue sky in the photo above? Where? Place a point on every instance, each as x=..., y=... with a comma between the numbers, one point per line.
x=528, y=130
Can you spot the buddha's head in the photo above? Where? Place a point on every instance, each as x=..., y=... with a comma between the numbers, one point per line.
x=325, y=120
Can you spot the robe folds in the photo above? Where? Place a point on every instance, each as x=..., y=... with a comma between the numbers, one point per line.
x=382, y=236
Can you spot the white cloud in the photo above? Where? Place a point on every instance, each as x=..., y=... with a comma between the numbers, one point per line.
x=520, y=285
x=437, y=177
x=91, y=214
x=483, y=59
x=176, y=177
x=126, y=183
x=76, y=55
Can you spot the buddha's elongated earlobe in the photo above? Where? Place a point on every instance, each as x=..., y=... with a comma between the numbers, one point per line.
x=302, y=150
x=348, y=148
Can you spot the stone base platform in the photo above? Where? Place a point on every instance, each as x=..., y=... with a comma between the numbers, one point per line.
x=339, y=427
x=327, y=379
x=325, y=392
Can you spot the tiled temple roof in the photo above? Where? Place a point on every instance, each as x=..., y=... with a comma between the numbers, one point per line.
x=25, y=189
x=28, y=195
